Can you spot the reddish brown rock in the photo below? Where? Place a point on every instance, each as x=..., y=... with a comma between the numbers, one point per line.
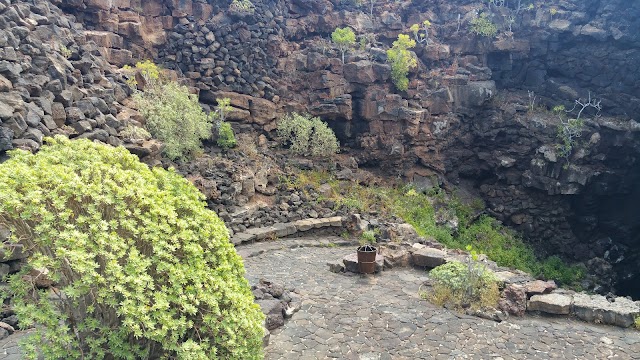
x=540, y=287
x=395, y=255
x=513, y=300
x=360, y=72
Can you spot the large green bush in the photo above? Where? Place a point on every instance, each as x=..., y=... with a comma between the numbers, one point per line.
x=307, y=135
x=141, y=269
x=173, y=115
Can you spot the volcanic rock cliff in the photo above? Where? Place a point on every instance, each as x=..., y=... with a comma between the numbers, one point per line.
x=476, y=114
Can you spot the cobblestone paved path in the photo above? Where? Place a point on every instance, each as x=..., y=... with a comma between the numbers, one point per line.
x=382, y=317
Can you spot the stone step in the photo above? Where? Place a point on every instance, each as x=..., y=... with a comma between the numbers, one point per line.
x=284, y=229
x=591, y=308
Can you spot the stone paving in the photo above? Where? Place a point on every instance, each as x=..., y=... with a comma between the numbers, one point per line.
x=382, y=317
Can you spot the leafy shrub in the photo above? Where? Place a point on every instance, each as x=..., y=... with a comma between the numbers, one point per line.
x=141, y=268
x=242, y=6
x=149, y=71
x=174, y=116
x=461, y=285
x=401, y=60
x=554, y=268
x=344, y=38
x=368, y=237
x=226, y=137
x=131, y=132
x=307, y=135
x=481, y=25
x=65, y=51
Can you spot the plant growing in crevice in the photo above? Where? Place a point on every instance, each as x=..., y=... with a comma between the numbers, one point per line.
x=483, y=26
x=369, y=236
x=226, y=137
x=421, y=32
x=401, y=60
x=242, y=6
x=65, y=51
x=344, y=38
x=570, y=129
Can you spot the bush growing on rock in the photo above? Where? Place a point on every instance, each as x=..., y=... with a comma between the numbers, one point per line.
x=307, y=135
x=226, y=137
x=461, y=285
x=140, y=268
x=481, y=25
x=401, y=60
x=173, y=115
x=344, y=38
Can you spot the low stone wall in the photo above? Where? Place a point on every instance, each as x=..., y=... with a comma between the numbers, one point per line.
x=285, y=229
x=521, y=293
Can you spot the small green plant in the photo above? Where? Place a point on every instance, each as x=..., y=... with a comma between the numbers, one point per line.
x=553, y=11
x=421, y=32
x=133, y=133
x=226, y=137
x=64, y=51
x=401, y=60
x=242, y=6
x=352, y=203
x=149, y=71
x=363, y=43
x=637, y=322
x=481, y=25
x=307, y=135
x=141, y=268
x=464, y=285
x=173, y=114
x=369, y=236
x=344, y=38
x=569, y=130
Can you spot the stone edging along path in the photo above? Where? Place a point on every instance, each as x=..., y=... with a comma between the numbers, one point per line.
x=541, y=296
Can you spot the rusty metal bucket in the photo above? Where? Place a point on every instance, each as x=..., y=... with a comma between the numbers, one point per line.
x=367, y=259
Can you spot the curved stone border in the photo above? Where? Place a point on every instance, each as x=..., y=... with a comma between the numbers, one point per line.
x=285, y=229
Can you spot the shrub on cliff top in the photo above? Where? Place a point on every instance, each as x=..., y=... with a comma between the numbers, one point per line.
x=141, y=269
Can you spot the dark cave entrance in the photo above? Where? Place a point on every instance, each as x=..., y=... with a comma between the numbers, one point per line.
x=607, y=220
